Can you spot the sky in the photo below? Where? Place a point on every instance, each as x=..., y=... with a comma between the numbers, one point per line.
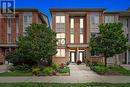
x=44, y=5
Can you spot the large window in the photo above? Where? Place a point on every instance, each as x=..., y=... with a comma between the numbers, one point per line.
x=81, y=38
x=60, y=19
x=109, y=19
x=60, y=23
x=81, y=29
x=60, y=53
x=72, y=23
x=72, y=30
x=9, y=29
x=17, y=28
x=61, y=38
x=71, y=38
x=94, y=22
x=27, y=20
x=81, y=23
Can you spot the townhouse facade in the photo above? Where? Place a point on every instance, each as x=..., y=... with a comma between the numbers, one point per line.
x=12, y=28
x=74, y=27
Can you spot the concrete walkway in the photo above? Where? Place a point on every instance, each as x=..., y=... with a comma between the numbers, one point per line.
x=78, y=74
x=126, y=66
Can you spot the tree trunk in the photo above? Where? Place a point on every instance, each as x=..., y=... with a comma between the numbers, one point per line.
x=105, y=61
x=50, y=61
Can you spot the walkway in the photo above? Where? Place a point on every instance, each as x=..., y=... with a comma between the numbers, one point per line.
x=126, y=66
x=78, y=74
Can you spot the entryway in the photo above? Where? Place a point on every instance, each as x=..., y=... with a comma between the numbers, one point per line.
x=76, y=56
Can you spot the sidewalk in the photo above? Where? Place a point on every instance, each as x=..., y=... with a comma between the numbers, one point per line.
x=78, y=74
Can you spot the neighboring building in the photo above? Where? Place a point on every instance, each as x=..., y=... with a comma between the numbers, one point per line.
x=11, y=28
x=74, y=27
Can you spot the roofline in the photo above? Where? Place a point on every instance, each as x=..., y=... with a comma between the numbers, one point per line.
x=31, y=10
x=75, y=9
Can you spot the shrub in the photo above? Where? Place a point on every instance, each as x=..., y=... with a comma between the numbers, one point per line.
x=64, y=70
x=79, y=62
x=48, y=71
x=23, y=67
x=36, y=71
x=100, y=69
x=67, y=63
x=62, y=65
x=55, y=66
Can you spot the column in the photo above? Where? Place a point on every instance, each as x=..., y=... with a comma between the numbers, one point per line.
x=77, y=54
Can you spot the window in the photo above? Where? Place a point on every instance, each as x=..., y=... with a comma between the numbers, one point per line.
x=60, y=53
x=71, y=38
x=94, y=22
x=81, y=22
x=9, y=21
x=60, y=19
x=60, y=23
x=17, y=25
x=71, y=23
x=8, y=38
x=81, y=30
x=27, y=21
x=81, y=38
x=109, y=19
x=61, y=38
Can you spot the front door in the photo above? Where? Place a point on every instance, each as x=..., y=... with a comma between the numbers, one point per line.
x=73, y=57
x=81, y=56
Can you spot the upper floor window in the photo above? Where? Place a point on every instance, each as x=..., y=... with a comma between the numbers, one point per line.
x=72, y=23
x=94, y=21
x=27, y=21
x=9, y=21
x=60, y=19
x=61, y=38
x=109, y=19
x=81, y=22
x=17, y=25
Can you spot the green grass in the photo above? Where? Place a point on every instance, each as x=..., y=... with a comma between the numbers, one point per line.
x=16, y=73
x=63, y=85
x=110, y=70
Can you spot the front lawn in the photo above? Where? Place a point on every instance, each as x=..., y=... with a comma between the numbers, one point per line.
x=16, y=73
x=109, y=70
x=63, y=85
x=54, y=70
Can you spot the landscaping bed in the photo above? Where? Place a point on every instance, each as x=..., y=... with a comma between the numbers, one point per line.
x=54, y=70
x=109, y=70
x=64, y=85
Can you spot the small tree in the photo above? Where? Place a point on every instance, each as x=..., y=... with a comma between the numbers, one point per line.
x=110, y=40
x=39, y=43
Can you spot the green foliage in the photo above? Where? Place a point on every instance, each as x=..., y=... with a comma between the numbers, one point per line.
x=119, y=70
x=38, y=43
x=110, y=40
x=21, y=68
x=109, y=70
x=36, y=71
x=48, y=71
x=55, y=66
x=64, y=70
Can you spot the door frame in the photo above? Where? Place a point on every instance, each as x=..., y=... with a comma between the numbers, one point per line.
x=74, y=57
x=82, y=55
